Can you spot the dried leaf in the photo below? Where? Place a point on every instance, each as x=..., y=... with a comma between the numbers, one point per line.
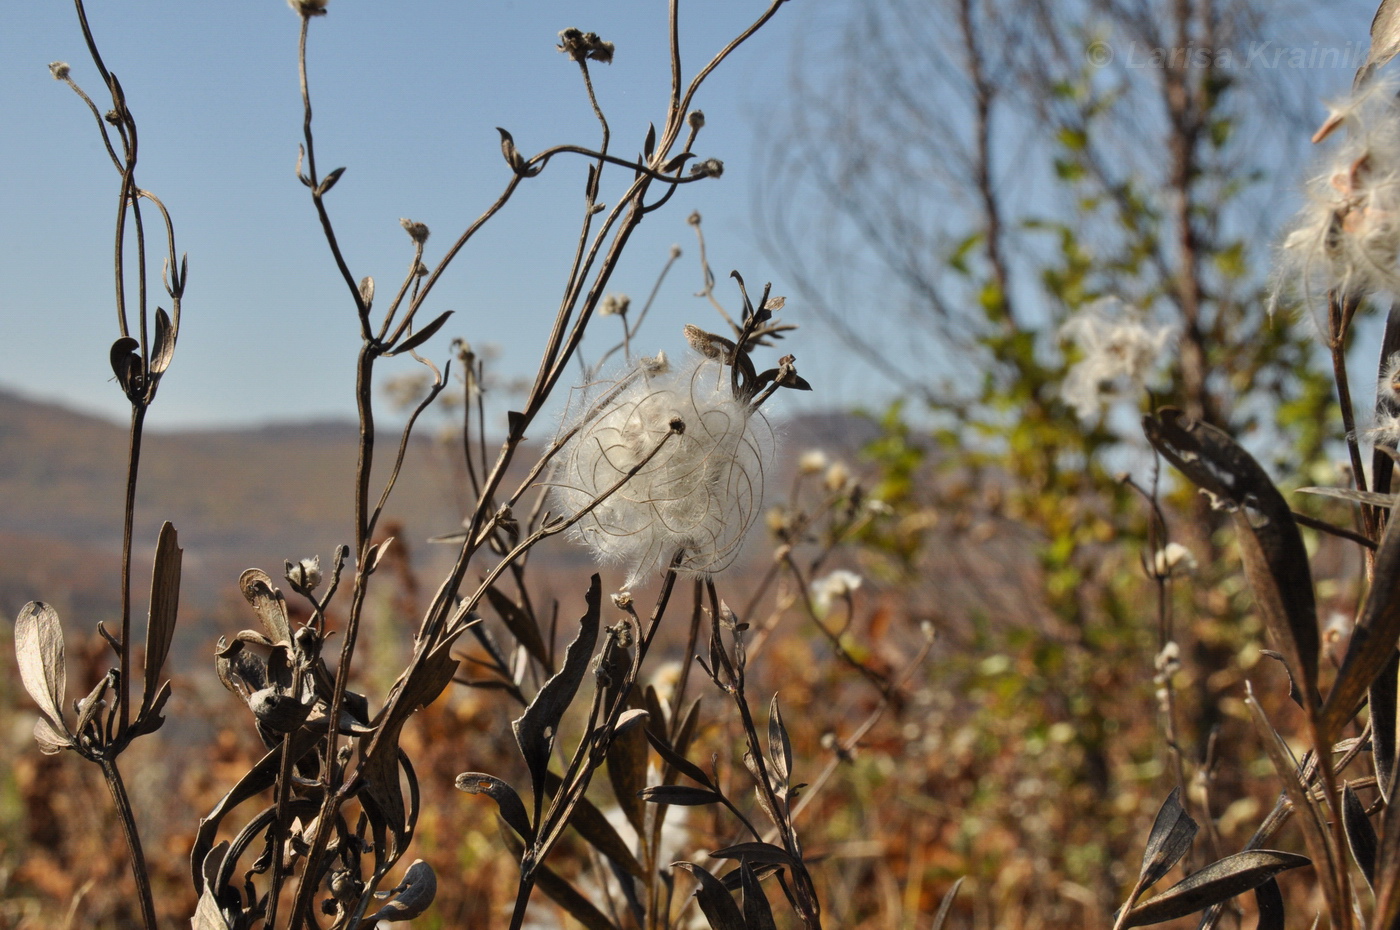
x=380, y=757
x=680, y=795
x=1170, y=839
x=376, y=555
x=1385, y=40
x=411, y=897
x=1294, y=694
x=716, y=903
x=126, y=364
x=1217, y=882
x=779, y=746
x=676, y=760
x=508, y=802
x=1310, y=820
x=1383, y=703
x=1361, y=836
x=1274, y=558
x=165, y=608
x=207, y=915
x=42, y=667
x=627, y=769
x=420, y=337
x=50, y=740
x=945, y=907
x=758, y=914
x=535, y=730
x=1349, y=494
x=163, y=349
x=258, y=779
x=763, y=853
x=329, y=181
x=1387, y=877
x=267, y=601
x=1372, y=641
x=594, y=826
x=1270, y=904
x=570, y=899
x=522, y=626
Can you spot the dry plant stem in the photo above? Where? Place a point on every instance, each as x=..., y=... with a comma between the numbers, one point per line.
x=117, y=788
x=842, y=753
x=1157, y=541
x=1339, y=317
x=810, y=919
x=875, y=678
x=284, y=791
x=133, y=462
x=591, y=752
x=1324, y=527
x=313, y=181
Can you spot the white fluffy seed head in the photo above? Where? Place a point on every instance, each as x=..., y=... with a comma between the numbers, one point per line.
x=1388, y=387
x=1347, y=236
x=698, y=495
x=1119, y=350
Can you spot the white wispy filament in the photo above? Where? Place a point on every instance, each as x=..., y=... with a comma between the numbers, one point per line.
x=1347, y=236
x=1119, y=349
x=698, y=495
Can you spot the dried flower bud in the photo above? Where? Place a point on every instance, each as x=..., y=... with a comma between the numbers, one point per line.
x=709, y=168
x=615, y=305
x=778, y=523
x=305, y=575
x=838, y=476
x=581, y=46
x=675, y=252
x=418, y=232
x=694, y=218
x=59, y=70
x=308, y=8
x=622, y=599
x=695, y=119
x=1173, y=561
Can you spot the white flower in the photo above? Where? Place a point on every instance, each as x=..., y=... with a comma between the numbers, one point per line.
x=1347, y=236
x=1119, y=347
x=698, y=495
x=829, y=588
x=1173, y=561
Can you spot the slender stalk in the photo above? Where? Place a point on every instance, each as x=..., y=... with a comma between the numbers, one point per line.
x=133, y=462
x=117, y=787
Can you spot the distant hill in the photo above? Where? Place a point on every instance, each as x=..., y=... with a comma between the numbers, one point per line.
x=239, y=498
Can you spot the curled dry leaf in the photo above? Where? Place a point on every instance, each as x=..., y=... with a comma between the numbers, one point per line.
x=42, y=667
x=413, y=895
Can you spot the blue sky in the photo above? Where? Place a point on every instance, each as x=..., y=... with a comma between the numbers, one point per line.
x=407, y=95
